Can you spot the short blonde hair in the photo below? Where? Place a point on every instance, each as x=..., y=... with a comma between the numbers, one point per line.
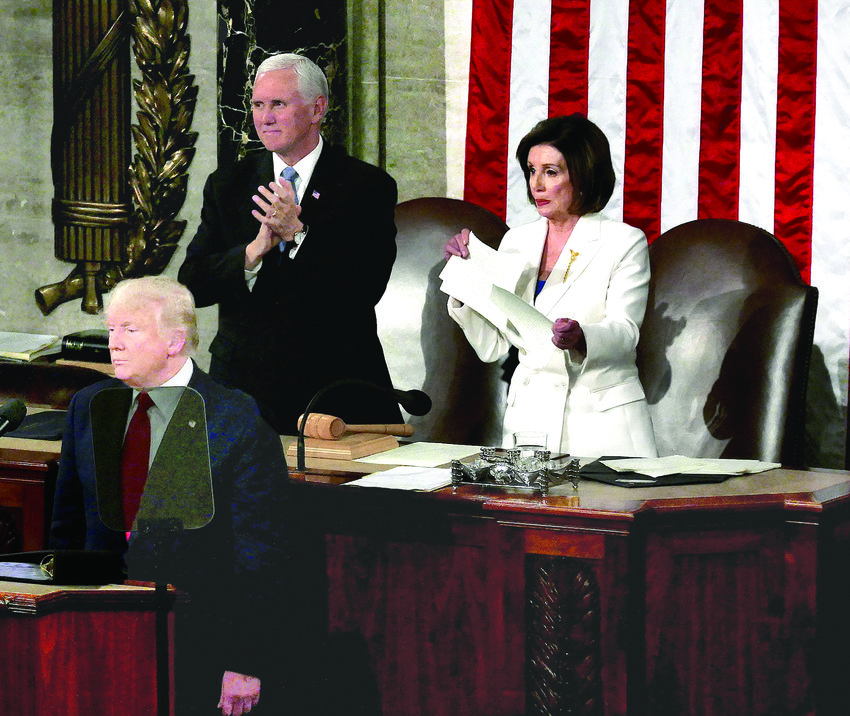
x=175, y=301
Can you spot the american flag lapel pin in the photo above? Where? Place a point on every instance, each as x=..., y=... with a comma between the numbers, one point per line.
x=315, y=194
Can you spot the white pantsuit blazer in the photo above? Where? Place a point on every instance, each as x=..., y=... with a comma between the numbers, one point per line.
x=589, y=405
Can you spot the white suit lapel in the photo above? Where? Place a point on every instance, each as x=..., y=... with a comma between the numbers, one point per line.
x=530, y=250
x=574, y=259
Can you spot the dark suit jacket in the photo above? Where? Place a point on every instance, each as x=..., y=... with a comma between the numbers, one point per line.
x=309, y=320
x=231, y=568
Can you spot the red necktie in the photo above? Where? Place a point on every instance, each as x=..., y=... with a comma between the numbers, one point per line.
x=134, y=459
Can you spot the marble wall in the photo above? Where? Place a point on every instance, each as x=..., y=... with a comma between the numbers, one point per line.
x=416, y=97
x=413, y=136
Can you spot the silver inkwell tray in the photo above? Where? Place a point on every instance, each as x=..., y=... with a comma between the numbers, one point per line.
x=496, y=467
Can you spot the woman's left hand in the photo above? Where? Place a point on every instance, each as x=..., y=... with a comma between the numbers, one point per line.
x=567, y=334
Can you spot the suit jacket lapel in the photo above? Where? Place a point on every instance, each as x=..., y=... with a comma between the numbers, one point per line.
x=582, y=246
x=108, y=412
x=531, y=251
x=318, y=196
x=263, y=173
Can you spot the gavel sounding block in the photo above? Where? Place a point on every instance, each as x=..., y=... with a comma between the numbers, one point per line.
x=348, y=447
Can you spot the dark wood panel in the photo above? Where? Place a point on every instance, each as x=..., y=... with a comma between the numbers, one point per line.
x=79, y=662
x=440, y=635
x=730, y=620
x=27, y=483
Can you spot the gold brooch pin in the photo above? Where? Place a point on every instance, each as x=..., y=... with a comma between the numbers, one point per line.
x=573, y=256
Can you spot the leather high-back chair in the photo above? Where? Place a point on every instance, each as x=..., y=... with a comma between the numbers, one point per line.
x=424, y=348
x=726, y=342
x=45, y=385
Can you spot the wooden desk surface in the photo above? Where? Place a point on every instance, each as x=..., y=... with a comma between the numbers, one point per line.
x=794, y=490
x=50, y=449
x=40, y=598
x=86, y=650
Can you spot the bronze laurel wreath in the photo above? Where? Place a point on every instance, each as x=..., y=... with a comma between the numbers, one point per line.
x=166, y=97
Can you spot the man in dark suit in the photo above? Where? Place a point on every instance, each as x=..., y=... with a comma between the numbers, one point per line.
x=212, y=512
x=297, y=265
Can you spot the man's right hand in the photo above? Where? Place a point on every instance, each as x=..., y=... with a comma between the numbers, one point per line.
x=239, y=694
x=457, y=245
x=278, y=215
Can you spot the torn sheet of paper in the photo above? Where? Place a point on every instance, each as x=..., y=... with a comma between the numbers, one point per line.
x=485, y=282
x=471, y=280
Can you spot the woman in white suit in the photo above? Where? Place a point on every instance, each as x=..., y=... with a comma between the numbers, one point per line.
x=590, y=276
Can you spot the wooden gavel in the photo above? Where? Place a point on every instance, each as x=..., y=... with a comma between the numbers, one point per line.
x=327, y=427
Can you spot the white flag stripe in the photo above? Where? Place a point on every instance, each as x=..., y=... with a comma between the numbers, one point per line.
x=532, y=24
x=458, y=36
x=606, y=91
x=831, y=210
x=756, y=196
x=682, y=112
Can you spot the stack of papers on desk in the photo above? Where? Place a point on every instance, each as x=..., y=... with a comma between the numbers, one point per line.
x=679, y=465
x=407, y=478
x=671, y=470
x=27, y=346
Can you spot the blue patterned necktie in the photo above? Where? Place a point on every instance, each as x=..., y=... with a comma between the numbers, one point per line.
x=290, y=175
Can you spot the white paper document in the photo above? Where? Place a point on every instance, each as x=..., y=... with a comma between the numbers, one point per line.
x=406, y=478
x=679, y=465
x=533, y=327
x=421, y=454
x=471, y=280
x=484, y=281
x=27, y=346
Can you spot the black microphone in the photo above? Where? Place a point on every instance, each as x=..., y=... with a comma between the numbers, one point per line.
x=414, y=402
x=12, y=414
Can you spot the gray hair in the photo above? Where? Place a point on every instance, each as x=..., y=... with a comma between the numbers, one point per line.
x=312, y=82
x=177, y=306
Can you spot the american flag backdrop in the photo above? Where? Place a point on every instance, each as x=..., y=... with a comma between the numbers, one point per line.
x=734, y=109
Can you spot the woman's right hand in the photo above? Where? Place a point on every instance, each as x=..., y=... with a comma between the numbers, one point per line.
x=457, y=245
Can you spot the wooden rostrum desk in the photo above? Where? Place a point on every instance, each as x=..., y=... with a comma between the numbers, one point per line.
x=721, y=599
x=68, y=650
x=729, y=599
x=27, y=482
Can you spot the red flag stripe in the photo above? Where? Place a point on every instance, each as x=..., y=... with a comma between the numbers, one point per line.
x=795, y=129
x=720, y=130
x=485, y=169
x=568, y=48
x=645, y=116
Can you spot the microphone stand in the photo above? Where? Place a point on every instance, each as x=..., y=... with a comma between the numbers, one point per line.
x=301, y=450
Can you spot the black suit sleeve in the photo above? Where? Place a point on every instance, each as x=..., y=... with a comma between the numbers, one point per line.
x=252, y=478
x=214, y=268
x=68, y=527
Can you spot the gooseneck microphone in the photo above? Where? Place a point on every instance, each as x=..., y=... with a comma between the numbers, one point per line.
x=414, y=402
x=12, y=414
